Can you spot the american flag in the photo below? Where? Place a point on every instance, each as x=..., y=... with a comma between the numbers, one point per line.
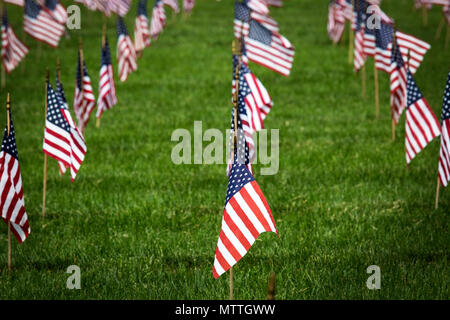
x=13, y=50
x=173, y=4
x=105, y=6
x=126, y=55
x=12, y=206
x=62, y=96
x=141, y=28
x=188, y=5
x=359, y=21
x=40, y=25
x=158, y=19
x=421, y=123
x=383, y=49
x=56, y=10
x=275, y=3
x=16, y=2
x=398, y=75
x=346, y=8
x=437, y=2
x=107, y=89
x=370, y=32
x=269, y=49
x=62, y=139
x=336, y=22
x=414, y=47
x=444, y=158
x=242, y=16
x=246, y=215
x=84, y=101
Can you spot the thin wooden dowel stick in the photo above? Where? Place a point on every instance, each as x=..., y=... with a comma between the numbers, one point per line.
x=393, y=130
x=45, y=154
x=439, y=29
x=231, y=283
x=436, y=204
x=377, y=96
x=3, y=77
x=363, y=80
x=350, y=43
x=8, y=111
x=424, y=15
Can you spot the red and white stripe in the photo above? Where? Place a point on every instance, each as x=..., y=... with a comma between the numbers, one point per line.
x=84, y=102
x=173, y=4
x=158, y=21
x=398, y=84
x=126, y=57
x=44, y=28
x=120, y=7
x=245, y=217
x=59, y=14
x=12, y=206
x=278, y=56
x=259, y=6
x=275, y=3
x=359, y=58
x=336, y=22
x=421, y=127
x=444, y=154
x=16, y=2
x=107, y=90
x=415, y=47
x=13, y=50
x=142, y=37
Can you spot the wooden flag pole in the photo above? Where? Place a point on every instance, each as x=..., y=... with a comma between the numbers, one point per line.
x=439, y=29
x=47, y=75
x=393, y=130
x=271, y=287
x=8, y=108
x=103, y=46
x=377, y=96
x=363, y=80
x=424, y=15
x=436, y=204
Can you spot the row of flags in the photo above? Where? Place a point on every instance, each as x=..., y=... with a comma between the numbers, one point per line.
x=246, y=211
x=399, y=55
x=63, y=136
x=44, y=20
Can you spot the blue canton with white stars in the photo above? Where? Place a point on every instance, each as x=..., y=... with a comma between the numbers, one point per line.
x=142, y=8
x=413, y=93
x=61, y=93
x=54, y=106
x=121, y=28
x=260, y=33
x=9, y=142
x=239, y=177
x=51, y=4
x=446, y=105
x=360, y=9
x=106, y=55
x=5, y=20
x=79, y=83
x=384, y=35
x=32, y=9
x=241, y=12
x=396, y=56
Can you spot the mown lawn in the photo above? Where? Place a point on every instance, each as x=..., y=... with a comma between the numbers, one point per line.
x=140, y=227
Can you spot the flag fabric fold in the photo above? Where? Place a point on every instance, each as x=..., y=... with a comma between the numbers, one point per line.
x=107, y=89
x=444, y=154
x=158, y=21
x=142, y=37
x=126, y=54
x=84, y=99
x=13, y=50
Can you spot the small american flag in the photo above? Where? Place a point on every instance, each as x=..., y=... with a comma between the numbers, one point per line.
x=444, y=158
x=126, y=54
x=107, y=89
x=269, y=49
x=242, y=16
x=12, y=206
x=188, y=5
x=421, y=123
x=56, y=10
x=173, y=4
x=13, y=50
x=62, y=96
x=359, y=57
x=246, y=215
x=414, y=47
x=39, y=24
x=84, y=99
x=398, y=75
x=62, y=139
x=158, y=19
x=336, y=22
x=141, y=28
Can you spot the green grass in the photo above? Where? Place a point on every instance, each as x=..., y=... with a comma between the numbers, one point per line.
x=141, y=227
